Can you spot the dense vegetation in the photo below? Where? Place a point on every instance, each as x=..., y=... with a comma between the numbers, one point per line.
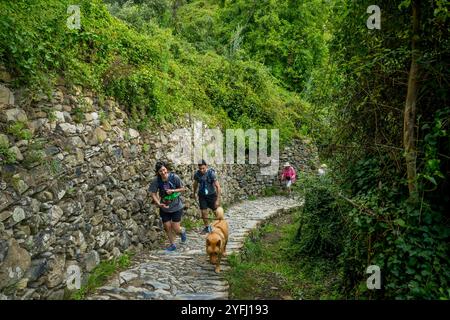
x=374, y=101
x=268, y=266
x=154, y=73
x=399, y=221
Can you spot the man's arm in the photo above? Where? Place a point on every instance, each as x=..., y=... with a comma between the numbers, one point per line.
x=218, y=191
x=194, y=189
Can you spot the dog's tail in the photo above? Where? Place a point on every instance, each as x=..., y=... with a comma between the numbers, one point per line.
x=219, y=213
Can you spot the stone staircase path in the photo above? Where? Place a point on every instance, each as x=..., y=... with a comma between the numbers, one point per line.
x=186, y=274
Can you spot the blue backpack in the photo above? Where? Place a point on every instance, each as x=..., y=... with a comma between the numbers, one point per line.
x=209, y=179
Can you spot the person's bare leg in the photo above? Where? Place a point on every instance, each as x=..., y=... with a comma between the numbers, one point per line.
x=176, y=227
x=205, y=217
x=168, y=229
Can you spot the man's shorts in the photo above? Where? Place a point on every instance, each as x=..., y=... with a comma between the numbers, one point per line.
x=171, y=216
x=208, y=201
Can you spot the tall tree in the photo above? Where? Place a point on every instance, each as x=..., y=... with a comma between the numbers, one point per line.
x=409, y=120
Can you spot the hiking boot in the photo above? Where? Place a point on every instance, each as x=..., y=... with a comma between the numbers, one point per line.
x=183, y=235
x=171, y=248
x=206, y=230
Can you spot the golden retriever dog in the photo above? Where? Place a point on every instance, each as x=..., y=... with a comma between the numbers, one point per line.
x=216, y=240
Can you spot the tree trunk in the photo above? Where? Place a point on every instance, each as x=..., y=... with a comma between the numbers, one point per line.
x=409, y=120
x=175, y=5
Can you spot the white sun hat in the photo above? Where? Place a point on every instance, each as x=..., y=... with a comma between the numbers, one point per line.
x=286, y=164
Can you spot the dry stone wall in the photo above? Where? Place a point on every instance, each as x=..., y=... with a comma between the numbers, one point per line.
x=73, y=183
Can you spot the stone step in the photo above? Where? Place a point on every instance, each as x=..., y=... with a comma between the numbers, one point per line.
x=186, y=273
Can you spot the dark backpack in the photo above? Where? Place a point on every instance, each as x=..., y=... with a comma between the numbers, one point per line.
x=209, y=175
x=209, y=178
x=170, y=180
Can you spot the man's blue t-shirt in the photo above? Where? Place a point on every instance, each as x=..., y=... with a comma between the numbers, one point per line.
x=205, y=182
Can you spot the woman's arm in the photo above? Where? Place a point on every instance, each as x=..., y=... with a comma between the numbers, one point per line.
x=181, y=189
x=156, y=200
x=179, y=185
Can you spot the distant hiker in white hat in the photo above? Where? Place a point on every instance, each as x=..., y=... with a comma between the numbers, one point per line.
x=288, y=176
x=322, y=170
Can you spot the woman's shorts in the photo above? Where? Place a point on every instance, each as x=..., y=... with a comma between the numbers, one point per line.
x=171, y=216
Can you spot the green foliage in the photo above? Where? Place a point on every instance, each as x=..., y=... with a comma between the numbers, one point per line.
x=136, y=92
x=51, y=116
x=101, y=274
x=231, y=64
x=154, y=72
x=102, y=117
x=6, y=156
x=143, y=15
x=54, y=166
x=437, y=134
x=19, y=130
x=409, y=243
x=286, y=36
x=267, y=267
x=33, y=158
x=271, y=191
x=359, y=99
x=35, y=154
x=321, y=224
x=70, y=191
x=191, y=223
x=78, y=114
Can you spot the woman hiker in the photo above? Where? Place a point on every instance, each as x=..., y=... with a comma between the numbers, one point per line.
x=169, y=202
x=288, y=176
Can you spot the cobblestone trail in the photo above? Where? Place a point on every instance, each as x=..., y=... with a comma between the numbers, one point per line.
x=186, y=273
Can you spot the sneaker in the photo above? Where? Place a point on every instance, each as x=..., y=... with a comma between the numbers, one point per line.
x=206, y=230
x=171, y=248
x=183, y=235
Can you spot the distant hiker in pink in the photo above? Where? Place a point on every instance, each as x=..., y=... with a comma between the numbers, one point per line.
x=288, y=176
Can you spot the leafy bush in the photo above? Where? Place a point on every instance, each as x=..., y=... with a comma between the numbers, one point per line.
x=154, y=72
x=321, y=230
x=409, y=242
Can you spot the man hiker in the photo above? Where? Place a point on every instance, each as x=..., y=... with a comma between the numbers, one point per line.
x=209, y=191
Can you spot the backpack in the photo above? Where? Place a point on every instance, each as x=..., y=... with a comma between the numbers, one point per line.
x=167, y=197
x=209, y=174
x=209, y=178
